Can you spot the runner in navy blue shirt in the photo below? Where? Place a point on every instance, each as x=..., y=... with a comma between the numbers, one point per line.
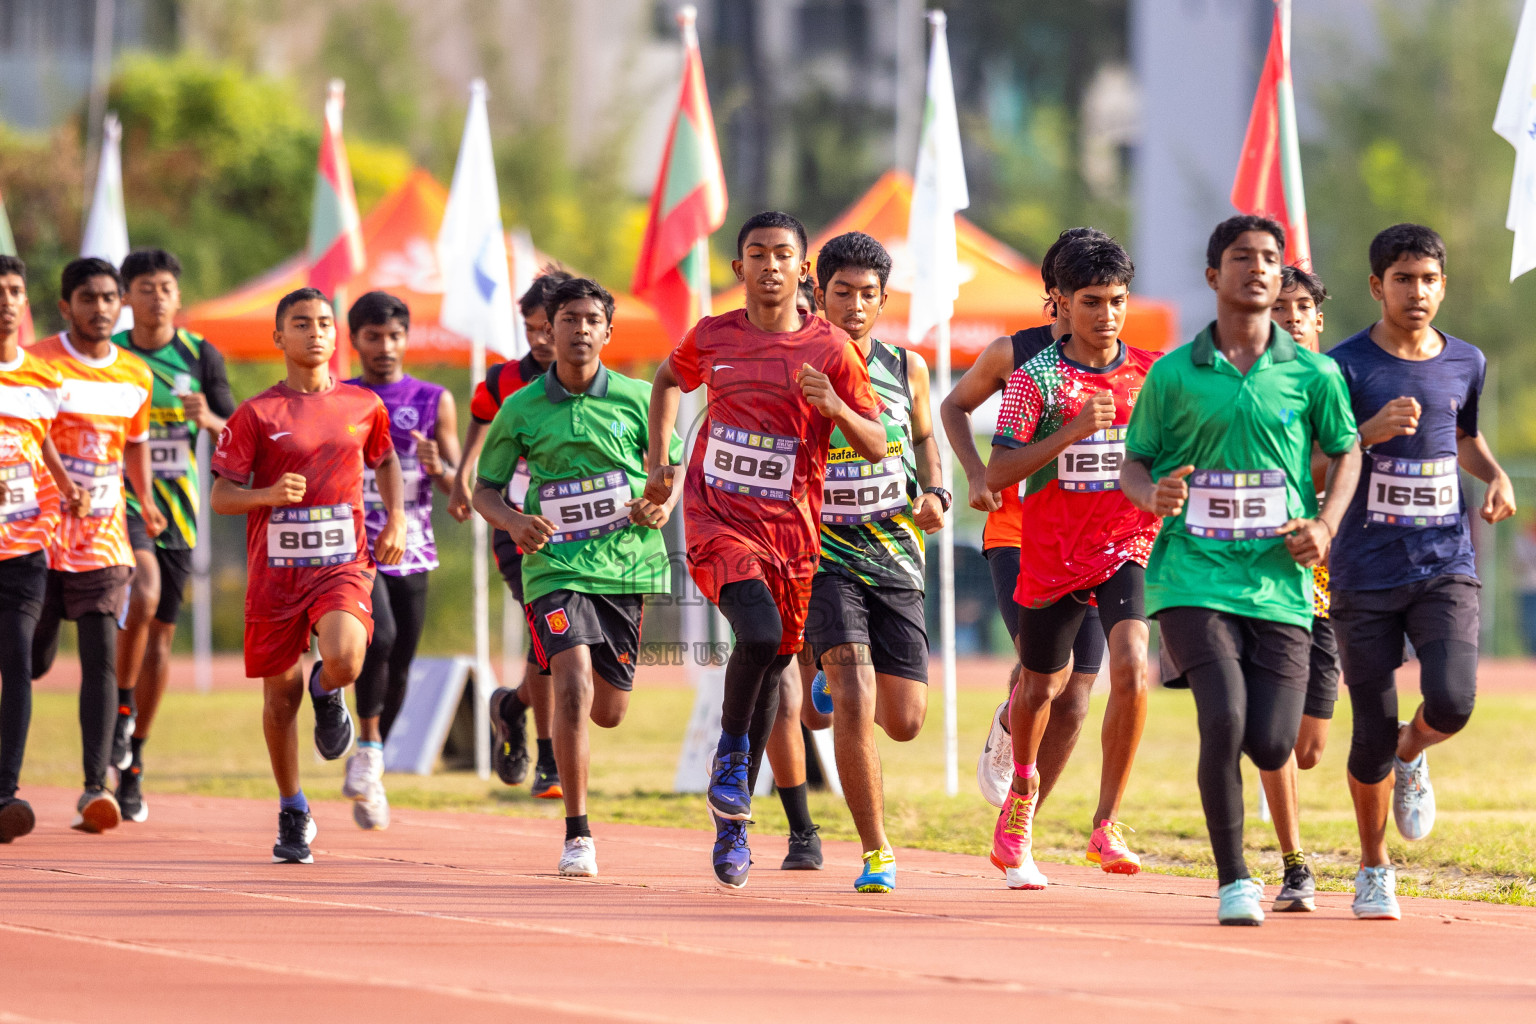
x=1403, y=566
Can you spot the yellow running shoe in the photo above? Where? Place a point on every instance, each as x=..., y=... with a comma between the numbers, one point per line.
x=879, y=871
x=1107, y=849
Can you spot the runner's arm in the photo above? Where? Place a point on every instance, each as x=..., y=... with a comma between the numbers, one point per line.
x=77, y=498
x=136, y=466
x=530, y=532
x=1009, y=465
x=210, y=409
x=1474, y=456
x=459, y=496
x=389, y=548
x=1166, y=497
x=928, y=510
x=228, y=498
x=661, y=420
x=445, y=443
x=1308, y=540
x=985, y=378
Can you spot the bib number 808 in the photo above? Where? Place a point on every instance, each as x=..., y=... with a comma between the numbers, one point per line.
x=1237, y=508
x=587, y=511
x=749, y=465
x=311, y=540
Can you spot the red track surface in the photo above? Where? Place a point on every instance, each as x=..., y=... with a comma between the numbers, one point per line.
x=458, y=917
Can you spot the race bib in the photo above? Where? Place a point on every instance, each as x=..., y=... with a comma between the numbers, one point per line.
x=517, y=487
x=410, y=473
x=1092, y=464
x=1410, y=492
x=1236, y=506
x=18, y=493
x=863, y=492
x=170, y=450
x=103, y=479
x=586, y=508
x=754, y=464
x=301, y=538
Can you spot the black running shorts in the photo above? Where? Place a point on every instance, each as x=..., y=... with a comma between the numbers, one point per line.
x=607, y=624
x=1047, y=635
x=1277, y=652
x=175, y=569
x=1323, y=677
x=888, y=621
x=1087, y=648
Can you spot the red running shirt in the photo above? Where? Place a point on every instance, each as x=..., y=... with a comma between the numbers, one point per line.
x=327, y=437
x=1082, y=527
x=760, y=454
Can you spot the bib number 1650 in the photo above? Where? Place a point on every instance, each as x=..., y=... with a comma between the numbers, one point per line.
x=749, y=465
x=1403, y=496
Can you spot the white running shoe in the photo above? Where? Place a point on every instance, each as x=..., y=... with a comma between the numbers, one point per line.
x=1026, y=875
x=1376, y=894
x=365, y=769
x=994, y=768
x=1413, y=798
x=579, y=858
x=372, y=813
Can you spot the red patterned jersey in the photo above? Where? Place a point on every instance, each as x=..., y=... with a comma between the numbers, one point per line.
x=1078, y=526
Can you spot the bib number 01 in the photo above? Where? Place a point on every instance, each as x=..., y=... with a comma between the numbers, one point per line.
x=750, y=463
x=304, y=538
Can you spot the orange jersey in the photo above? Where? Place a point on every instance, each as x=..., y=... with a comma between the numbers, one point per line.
x=29, y=498
x=104, y=404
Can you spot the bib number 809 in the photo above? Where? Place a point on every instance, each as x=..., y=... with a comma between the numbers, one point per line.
x=311, y=540
x=748, y=465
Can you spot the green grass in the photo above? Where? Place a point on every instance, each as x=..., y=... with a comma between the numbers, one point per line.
x=1483, y=846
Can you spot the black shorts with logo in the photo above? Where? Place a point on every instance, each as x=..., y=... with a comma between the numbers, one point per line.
x=1323, y=678
x=1047, y=635
x=1275, y=653
x=607, y=624
x=888, y=621
x=175, y=570
x=1087, y=648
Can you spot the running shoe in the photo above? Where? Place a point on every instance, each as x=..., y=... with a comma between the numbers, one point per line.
x=365, y=786
x=579, y=858
x=879, y=871
x=1240, y=902
x=1298, y=890
x=1413, y=798
x=372, y=814
x=16, y=818
x=509, y=747
x=295, y=831
x=334, y=730
x=1026, y=875
x=821, y=697
x=1107, y=849
x=1011, y=838
x=96, y=812
x=732, y=857
x=130, y=794
x=546, y=782
x=804, y=850
x=122, y=740
x=1376, y=894
x=994, y=768
x=729, y=796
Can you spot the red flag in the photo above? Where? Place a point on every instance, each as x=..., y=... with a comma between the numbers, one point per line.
x=688, y=203
x=336, y=252
x=1268, y=180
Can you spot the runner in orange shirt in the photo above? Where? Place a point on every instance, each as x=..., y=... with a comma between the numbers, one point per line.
x=101, y=433
x=31, y=479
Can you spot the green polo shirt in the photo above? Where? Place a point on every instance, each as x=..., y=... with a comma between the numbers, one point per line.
x=1197, y=409
x=586, y=456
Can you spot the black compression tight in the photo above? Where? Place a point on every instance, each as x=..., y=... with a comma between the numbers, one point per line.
x=399, y=614
x=753, y=671
x=16, y=628
x=1448, y=683
x=97, y=633
x=1237, y=716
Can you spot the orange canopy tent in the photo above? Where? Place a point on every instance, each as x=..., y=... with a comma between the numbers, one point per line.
x=400, y=235
x=1001, y=290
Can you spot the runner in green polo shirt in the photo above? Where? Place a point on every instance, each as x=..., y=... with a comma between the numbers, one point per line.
x=591, y=544
x=1225, y=426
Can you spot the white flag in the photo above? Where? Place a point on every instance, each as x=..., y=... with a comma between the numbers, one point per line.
x=525, y=267
x=477, y=288
x=106, y=228
x=938, y=193
x=1515, y=120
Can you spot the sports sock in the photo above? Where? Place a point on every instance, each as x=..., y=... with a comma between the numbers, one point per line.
x=795, y=809
x=730, y=743
x=1294, y=859
x=370, y=744
x=136, y=744
x=546, y=753
x=316, y=691
x=1024, y=771
x=125, y=702
x=575, y=826
x=294, y=803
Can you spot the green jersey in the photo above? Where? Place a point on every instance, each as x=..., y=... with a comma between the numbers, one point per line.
x=867, y=531
x=1249, y=437
x=586, y=458
x=187, y=364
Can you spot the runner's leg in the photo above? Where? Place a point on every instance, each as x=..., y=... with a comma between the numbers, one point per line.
x=1125, y=715
x=97, y=633
x=373, y=678
x=749, y=607
x=570, y=672
x=25, y=580
x=408, y=601
x=281, y=696
x=143, y=600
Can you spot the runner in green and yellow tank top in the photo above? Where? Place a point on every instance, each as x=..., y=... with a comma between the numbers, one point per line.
x=865, y=626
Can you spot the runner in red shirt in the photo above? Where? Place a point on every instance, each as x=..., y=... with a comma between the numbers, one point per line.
x=1062, y=432
x=778, y=384
x=291, y=460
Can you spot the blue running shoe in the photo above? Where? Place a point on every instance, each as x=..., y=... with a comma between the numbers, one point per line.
x=879, y=871
x=1240, y=902
x=732, y=857
x=821, y=697
x=729, y=797
x=1376, y=894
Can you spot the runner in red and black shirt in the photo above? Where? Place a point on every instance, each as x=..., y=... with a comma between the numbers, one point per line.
x=509, y=707
x=291, y=461
x=778, y=384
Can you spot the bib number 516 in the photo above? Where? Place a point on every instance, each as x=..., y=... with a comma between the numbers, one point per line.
x=1238, y=508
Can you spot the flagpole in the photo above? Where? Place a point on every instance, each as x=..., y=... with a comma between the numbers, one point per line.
x=202, y=589
x=947, y=587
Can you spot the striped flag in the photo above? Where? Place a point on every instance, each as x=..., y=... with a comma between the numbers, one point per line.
x=8, y=248
x=1268, y=178
x=335, y=230
x=688, y=203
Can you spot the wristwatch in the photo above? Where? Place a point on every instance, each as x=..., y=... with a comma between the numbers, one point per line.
x=945, y=498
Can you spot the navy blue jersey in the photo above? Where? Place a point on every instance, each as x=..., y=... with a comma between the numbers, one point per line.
x=1408, y=520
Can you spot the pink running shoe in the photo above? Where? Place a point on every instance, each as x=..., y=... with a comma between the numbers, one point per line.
x=1107, y=849
x=1010, y=839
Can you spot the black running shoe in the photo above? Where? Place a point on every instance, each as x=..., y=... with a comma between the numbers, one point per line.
x=334, y=730
x=509, y=741
x=546, y=782
x=732, y=857
x=295, y=831
x=130, y=794
x=16, y=818
x=804, y=850
x=122, y=740
x=1298, y=891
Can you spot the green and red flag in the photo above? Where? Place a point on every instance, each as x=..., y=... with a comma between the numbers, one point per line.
x=8, y=248
x=1268, y=178
x=687, y=204
x=335, y=230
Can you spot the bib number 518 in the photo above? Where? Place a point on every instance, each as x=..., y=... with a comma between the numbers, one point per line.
x=748, y=465
x=574, y=514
